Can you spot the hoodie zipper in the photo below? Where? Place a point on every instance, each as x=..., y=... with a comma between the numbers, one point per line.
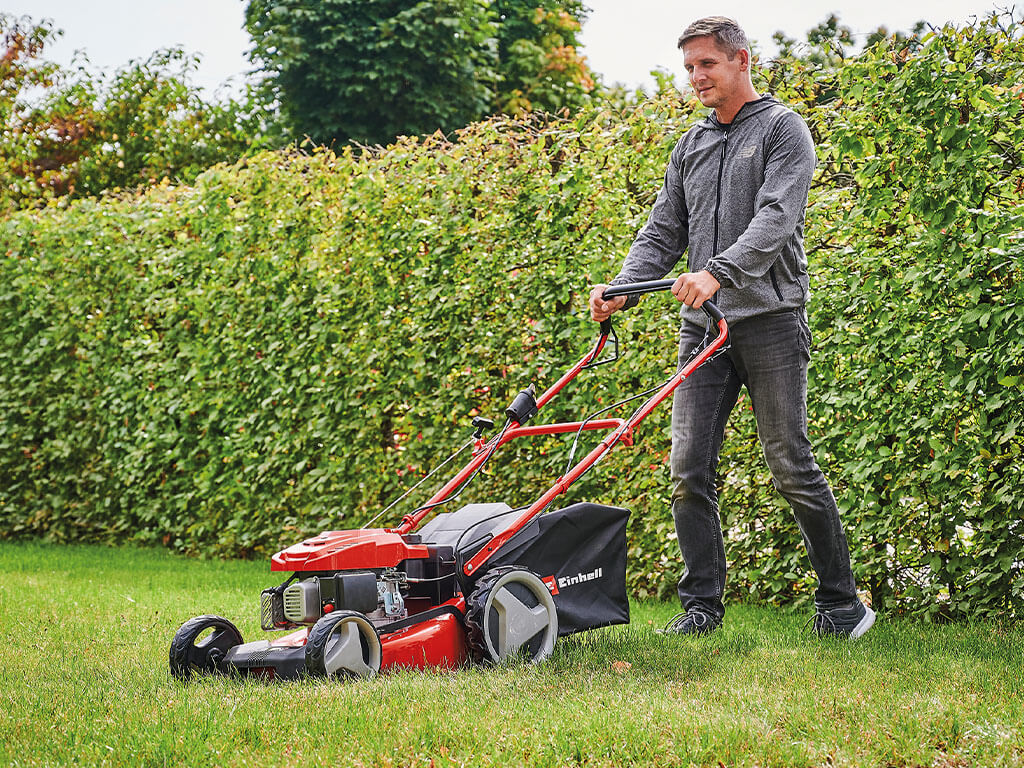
x=718, y=199
x=718, y=205
x=718, y=187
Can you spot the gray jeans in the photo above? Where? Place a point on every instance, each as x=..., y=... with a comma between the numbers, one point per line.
x=768, y=355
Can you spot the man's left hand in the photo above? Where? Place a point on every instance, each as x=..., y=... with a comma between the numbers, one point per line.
x=694, y=288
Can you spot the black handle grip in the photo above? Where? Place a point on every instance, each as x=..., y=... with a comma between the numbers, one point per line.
x=711, y=310
x=650, y=286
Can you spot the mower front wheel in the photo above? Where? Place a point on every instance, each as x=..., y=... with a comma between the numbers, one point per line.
x=200, y=645
x=511, y=613
x=343, y=643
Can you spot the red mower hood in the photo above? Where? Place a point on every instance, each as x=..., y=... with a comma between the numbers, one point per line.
x=348, y=550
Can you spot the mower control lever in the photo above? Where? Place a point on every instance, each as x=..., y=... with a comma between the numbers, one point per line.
x=481, y=425
x=650, y=286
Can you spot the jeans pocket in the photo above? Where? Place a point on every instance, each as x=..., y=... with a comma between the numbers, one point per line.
x=805, y=333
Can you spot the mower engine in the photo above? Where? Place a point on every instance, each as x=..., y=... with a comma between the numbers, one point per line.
x=381, y=596
x=290, y=606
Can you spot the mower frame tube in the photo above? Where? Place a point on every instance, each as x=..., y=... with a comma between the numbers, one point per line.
x=513, y=430
x=474, y=564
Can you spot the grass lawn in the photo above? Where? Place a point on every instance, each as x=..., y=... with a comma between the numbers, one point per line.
x=84, y=681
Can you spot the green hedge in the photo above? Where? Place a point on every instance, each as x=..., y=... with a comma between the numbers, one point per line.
x=291, y=342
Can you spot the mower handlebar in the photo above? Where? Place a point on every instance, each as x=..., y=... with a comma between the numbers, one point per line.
x=650, y=286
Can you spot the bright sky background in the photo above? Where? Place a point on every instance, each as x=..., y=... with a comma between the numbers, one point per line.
x=622, y=39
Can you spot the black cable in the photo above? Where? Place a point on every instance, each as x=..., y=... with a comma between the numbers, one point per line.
x=591, y=417
x=424, y=479
x=458, y=541
x=652, y=390
x=697, y=350
x=493, y=446
x=423, y=581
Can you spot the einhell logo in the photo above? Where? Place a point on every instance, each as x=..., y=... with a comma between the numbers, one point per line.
x=568, y=581
x=562, y=582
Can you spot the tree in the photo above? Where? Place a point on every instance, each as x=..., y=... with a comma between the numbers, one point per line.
x=68, y=133
x=808, y=70
x=31, y=143
x=539, y=64
x=370, y=70
x=828, y=44
x=151, y=123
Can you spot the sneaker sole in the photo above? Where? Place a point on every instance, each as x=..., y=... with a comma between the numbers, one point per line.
x=864, y=625
x=692, y=633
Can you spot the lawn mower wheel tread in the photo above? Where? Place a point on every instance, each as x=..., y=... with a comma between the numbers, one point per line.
x=476, y=607
x=320, y=635
x=183, y=657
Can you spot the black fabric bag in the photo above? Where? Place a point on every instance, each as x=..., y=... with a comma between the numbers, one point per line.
x=580, y=553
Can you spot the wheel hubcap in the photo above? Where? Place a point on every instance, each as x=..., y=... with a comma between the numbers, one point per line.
x=517, y=622
x=351, y=650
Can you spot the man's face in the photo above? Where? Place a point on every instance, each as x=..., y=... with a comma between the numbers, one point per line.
x=715, y=79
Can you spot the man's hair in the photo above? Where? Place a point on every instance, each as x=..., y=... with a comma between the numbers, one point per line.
x=727, y=34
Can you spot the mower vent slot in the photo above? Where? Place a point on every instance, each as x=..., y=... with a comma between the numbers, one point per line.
x=272, y=610
x=302, y=602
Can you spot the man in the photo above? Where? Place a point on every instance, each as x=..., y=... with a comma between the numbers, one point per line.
x=733, y=198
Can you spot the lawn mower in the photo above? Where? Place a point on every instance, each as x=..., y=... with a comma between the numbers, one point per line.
x=485, y=582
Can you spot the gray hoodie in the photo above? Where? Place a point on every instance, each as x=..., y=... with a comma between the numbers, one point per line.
x=734, y=197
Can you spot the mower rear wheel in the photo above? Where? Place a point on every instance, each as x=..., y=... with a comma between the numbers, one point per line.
x=194, y=651
x=343, y=643
x=512, y=613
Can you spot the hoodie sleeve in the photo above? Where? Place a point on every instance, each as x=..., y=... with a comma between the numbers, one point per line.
x=778, y=206
x=666, y=234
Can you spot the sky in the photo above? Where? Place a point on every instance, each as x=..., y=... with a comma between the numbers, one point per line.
x=623, y=40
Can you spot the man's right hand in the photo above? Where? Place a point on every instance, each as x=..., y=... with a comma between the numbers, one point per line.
x=601, y=309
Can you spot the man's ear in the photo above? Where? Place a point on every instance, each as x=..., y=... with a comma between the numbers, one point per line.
x=744, y=55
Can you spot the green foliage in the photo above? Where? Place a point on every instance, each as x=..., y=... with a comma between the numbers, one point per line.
x=295, y=340
x=924, y=237
x=539, y=65
x=74, y=133
x=370, y=70
x=828, y=44
x=825, y=46
x=807, y=71
x=159, y=126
